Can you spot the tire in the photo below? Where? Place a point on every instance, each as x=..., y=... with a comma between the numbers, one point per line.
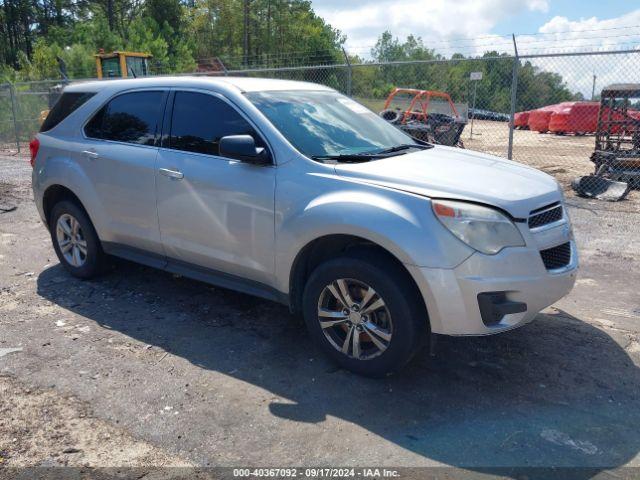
x=401, y=322
x=391, y=116
x=86, y=244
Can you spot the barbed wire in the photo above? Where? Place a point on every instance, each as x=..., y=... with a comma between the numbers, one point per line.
x=491, y=39
x=459, y=44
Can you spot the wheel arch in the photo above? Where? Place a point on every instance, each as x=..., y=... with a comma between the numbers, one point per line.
x=330, y=246
x=56, y=193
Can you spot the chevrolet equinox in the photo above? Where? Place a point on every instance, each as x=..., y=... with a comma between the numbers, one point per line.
x=298, y=194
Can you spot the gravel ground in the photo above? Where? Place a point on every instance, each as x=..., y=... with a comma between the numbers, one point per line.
x=44, y=427
x=173, y=371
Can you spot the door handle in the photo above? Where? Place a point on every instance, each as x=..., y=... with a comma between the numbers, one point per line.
x=171, y=173
x=90, y=154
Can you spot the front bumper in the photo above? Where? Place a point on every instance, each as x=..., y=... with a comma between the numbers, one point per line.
x=451, y=295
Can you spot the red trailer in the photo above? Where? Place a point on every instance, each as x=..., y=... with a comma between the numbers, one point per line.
x=539, y=118
x=521, y=120
x=575, y=117
x=635, y=114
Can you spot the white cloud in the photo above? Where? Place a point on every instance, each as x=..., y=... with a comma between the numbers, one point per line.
x=363, y=22
x=588, y=35
x=538, y=5
x=464, y=26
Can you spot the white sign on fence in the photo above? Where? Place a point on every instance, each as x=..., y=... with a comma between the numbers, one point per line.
x=476, y=76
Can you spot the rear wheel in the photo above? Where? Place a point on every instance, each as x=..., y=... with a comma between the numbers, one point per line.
x=364, y=314
x=75, y=240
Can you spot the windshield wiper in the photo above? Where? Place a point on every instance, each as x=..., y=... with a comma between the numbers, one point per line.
x=404, y=146
x=365, y=156
x=349, y=157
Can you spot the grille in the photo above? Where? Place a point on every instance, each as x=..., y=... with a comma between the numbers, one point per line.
x=547, y=215
x=556, y=257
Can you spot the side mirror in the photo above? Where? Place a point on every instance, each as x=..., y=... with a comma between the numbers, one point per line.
x=243, y=148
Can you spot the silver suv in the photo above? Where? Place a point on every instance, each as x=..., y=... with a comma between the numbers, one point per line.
x=296, y=193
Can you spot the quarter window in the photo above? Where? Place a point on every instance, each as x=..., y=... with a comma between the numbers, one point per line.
x=131, y=118
x=199, y=121
x=68, y=103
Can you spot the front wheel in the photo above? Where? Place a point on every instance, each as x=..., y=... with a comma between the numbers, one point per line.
x=364, y=314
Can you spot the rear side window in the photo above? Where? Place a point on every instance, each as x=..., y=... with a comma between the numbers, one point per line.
x=66, y=104
x=200, y=120
x=131, y=118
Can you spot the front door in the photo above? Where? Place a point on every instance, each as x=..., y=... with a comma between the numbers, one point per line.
x=214, y=212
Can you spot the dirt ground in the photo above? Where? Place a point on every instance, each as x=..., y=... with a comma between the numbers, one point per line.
x=42, y=426
x=140, y=368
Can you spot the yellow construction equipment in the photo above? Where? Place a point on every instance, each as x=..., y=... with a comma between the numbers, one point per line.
x=108, y=65
x=122, y=64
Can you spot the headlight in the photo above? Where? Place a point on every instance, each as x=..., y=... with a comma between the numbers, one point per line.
x=482, y=228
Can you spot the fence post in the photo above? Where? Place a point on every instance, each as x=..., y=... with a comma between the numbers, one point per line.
x=14, y=110
x=224, y=67
x=514, y=89
x=346, y=58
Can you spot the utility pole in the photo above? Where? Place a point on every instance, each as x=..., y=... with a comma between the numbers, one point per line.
x=269, y=51
x=110, y=20
x=245, y=39
x=593, y=88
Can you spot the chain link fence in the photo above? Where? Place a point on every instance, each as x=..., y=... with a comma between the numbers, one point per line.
x=23, y=107
x=8, y=118
x=595, y=134
x=545, y=111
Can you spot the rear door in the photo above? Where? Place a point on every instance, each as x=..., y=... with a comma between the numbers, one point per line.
x=214, y=212
x=119, y=156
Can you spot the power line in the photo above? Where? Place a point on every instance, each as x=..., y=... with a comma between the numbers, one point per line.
x=496, y=36
x=579, y=31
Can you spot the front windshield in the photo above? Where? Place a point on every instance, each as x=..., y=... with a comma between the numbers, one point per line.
x=325, y=123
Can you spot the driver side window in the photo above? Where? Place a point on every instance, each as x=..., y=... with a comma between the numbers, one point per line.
x=199, y=121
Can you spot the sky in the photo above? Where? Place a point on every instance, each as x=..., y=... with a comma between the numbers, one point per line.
x=472, y=27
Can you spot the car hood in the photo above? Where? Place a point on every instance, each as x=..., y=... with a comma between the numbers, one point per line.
x=447, y=172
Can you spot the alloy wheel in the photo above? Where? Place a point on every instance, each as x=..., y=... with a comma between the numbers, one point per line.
x=354, y=319
x=71, y=241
